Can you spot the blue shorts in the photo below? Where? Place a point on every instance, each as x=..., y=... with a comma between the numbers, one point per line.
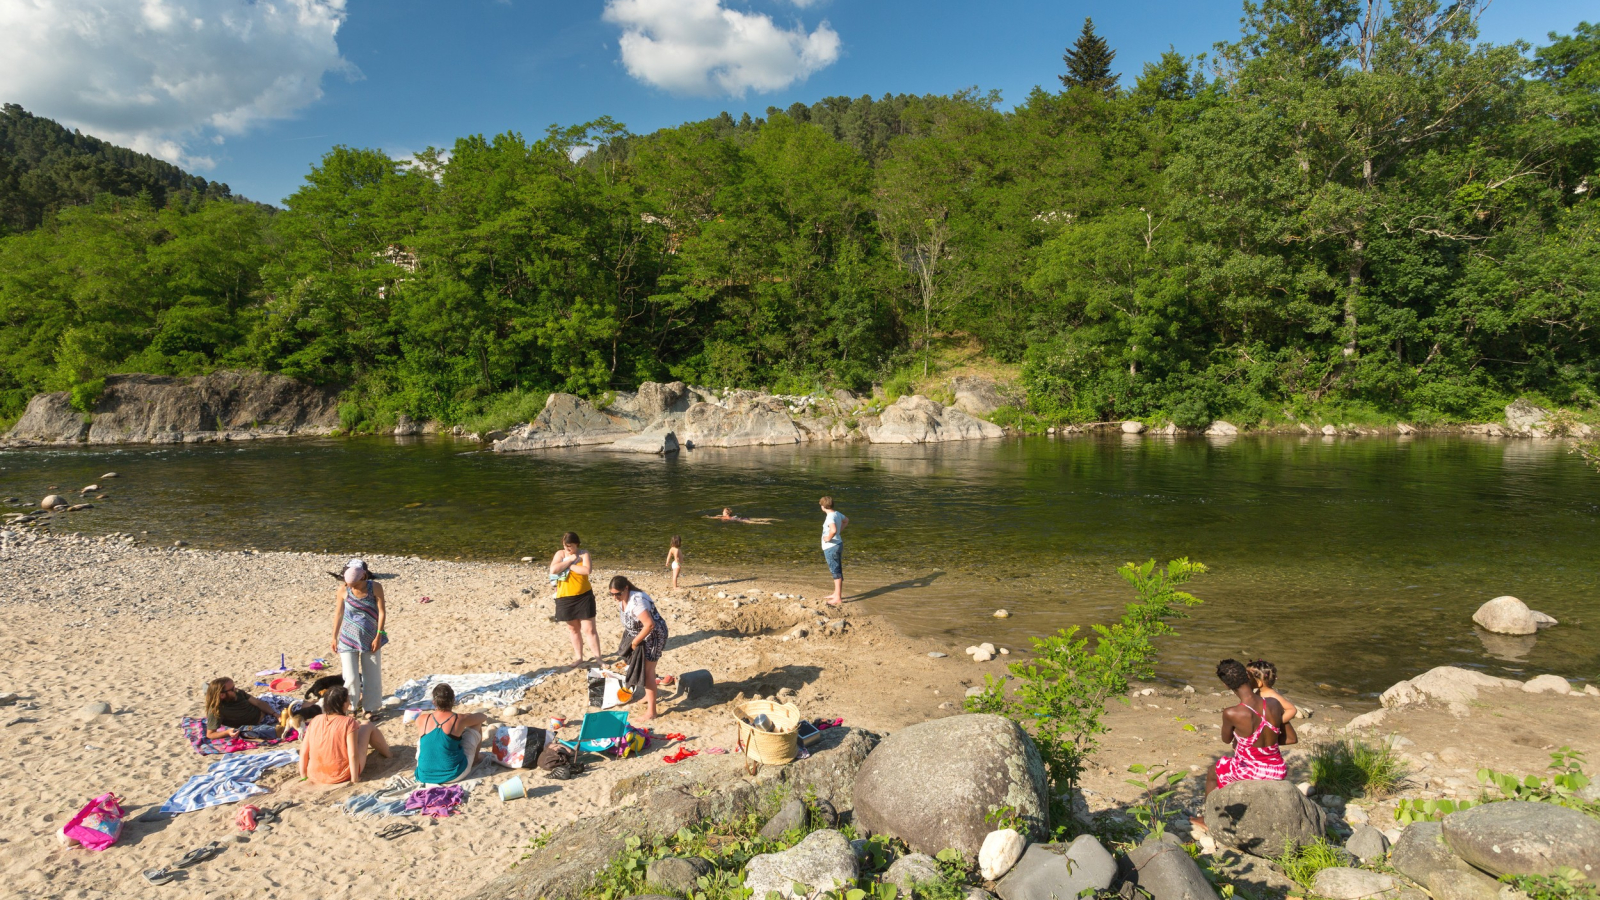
x=834, y=554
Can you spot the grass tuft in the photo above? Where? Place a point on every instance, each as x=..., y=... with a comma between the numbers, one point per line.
x=1303, y=863
x=1353, y=768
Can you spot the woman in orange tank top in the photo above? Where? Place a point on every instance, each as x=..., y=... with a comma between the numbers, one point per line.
x=333, y=750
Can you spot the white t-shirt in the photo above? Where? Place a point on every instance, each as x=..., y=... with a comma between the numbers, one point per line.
x=836, y=519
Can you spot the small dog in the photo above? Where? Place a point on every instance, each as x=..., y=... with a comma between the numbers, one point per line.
x=322, y=686
x=297, y=718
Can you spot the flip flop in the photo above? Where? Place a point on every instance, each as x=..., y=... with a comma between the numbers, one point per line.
x=398, y=829
x=159, y=876
x=199, y=855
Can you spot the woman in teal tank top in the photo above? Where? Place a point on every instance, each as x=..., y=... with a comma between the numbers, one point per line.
x=447, y=743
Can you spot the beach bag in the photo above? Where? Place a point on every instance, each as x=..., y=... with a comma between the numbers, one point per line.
x=518, y=746
x=775, y=740
x=96, y=826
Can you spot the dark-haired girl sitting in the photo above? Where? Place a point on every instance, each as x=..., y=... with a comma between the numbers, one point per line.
x=447, y=741
x=335, y=747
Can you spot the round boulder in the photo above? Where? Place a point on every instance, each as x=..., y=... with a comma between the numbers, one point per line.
x=1059, y=871
x=1132, y=427
x=911, y=870
x=1547, y=684
x=1263, y=817
x=931, y=784
x=1520, y=838
x=1162, y=869
x=1000, y=851
x=1421, y=853
x=51, y=502
x=1506, y=615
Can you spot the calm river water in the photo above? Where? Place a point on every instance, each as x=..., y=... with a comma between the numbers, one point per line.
x=1354, y=562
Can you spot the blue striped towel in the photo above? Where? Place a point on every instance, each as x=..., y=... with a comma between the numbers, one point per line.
x=227, y=781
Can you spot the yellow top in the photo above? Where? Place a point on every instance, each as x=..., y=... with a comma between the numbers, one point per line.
x=573, y=585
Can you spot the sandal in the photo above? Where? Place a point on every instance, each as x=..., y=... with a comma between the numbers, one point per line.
x=398, y=829
x=273, y=813
x=159, y=876
x=199, y=855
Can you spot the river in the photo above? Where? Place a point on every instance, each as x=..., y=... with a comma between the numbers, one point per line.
x=1350, y=562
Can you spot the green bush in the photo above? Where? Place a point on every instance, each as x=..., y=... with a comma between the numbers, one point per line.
x=86, y=394
x=1354, y=768
x=1304, y=862
x=506, y=410
x=1062, y=691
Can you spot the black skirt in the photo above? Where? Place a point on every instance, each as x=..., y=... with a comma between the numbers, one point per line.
x=575, y=608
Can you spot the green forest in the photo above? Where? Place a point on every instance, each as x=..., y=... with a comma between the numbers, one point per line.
x=1350, y=211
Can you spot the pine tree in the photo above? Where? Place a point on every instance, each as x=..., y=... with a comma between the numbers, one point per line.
x=1089, y=62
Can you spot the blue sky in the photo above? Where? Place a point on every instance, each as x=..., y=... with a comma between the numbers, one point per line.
x=253, y=92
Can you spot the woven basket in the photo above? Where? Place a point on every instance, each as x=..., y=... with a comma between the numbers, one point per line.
x=770, y=748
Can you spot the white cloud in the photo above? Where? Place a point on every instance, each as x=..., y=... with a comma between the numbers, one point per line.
x=160, y=75
x=702, y=47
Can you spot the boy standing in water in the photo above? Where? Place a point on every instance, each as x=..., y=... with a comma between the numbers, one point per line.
x=675, y=558
x=833, y=525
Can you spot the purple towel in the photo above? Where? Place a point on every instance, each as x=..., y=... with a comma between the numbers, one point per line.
x=438, y=802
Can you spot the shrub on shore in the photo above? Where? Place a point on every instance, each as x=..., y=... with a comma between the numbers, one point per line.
x=1354, y=768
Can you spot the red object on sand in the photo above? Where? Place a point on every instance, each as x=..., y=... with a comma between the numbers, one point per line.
x=247, y=818
x=284, y=686
x=682, y=754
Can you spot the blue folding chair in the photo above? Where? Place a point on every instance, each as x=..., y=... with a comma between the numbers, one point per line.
x=598, y=729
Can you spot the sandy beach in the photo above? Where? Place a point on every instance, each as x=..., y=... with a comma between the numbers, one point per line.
x=143, y=630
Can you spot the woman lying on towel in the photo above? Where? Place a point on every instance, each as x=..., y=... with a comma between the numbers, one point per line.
x=232, y=713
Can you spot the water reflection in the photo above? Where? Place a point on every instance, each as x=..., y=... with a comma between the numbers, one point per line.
x=1509, y=647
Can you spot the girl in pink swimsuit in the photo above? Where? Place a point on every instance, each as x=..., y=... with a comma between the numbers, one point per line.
x=1254, y=758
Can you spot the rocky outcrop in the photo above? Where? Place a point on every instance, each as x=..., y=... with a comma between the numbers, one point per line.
x=1263, y=817
x=567, y=420
x=1162, y=869
x=1220, y=428
x=1523, y=417
x=1343, y=883
x=736, y=425
x=650, y=402
x=932, y=784
x=918, y=420
x=1516, y=837
x=978, y=396
x=654, y=441
x=50, y=419
x=1421, y=853
x=156, y=409
x=1444, y=684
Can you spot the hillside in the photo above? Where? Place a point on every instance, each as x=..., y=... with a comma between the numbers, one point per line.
x=45, y=168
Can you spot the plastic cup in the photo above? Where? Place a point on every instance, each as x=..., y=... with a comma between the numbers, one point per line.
x=411, y=715
x=511, y=789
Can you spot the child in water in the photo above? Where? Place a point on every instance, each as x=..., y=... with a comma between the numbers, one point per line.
x=675, y=558
x=1264, y=675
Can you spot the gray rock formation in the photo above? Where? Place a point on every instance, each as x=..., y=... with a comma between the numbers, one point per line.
x=50, y=419
x=911, y=870
x=791, y=815
x=931, y=784
x=918, y=420
x=821, y=862
x=1506, y=615
x=1220, y=428
x=1455, y=884
x=1341, y=883
x=654, y=441
x=156, y=409
x=1260, y=878
x=1523, y=417
x=650, y=402
x=1444, y=684
x=977, y=396
x=1520, y=838
x=566, y=421
x=1421, y=852
x=742, y=424
x=1055, y=871
x=1162, y=869
x=1368, y=844
x=1263, y=817
x=676, y=873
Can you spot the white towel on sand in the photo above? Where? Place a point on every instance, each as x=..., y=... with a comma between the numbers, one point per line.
x=483, y=688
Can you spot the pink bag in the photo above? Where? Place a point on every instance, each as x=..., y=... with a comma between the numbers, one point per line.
x=96, y=826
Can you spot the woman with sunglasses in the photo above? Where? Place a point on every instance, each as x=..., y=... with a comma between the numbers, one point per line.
x=643, y=631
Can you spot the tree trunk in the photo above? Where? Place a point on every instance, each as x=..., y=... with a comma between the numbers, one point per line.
x=1358, y=262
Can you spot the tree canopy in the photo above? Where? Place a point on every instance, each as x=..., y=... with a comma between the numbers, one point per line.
x=1350, y=207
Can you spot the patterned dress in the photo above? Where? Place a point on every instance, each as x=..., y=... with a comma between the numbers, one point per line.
x=634, y=611
x=1249, y=762
x=360, y=623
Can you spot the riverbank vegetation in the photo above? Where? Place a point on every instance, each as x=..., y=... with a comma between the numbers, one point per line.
x=1348, y=206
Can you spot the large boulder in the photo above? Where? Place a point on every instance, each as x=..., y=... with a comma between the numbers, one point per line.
x=790, y=816
x=1263, y=817
x=50, y=419
x=932, y=784
x=1259, y=878
x=1445, y=684
x=1165, y=871
x=567, y=420
x=1525, y=418
x=1341, y=883
x=1367, y=844
x=221, y=406
x=649, y=403
x=1506, y=615
x=1059, y=871
x=917, y=420
x=742, y=423
x=977, y=396
x=1521, y=838
x=1455, y=884
x=676, y=873
x=821, y=862
x=1220, y=428
x=1421, y=852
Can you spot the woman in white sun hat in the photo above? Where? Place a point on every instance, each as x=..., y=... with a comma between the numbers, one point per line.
x=358, y=636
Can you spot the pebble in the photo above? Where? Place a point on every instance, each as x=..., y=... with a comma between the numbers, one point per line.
x=527, y=559
x=936, y=655
x=1188, y=689
x=109, y=475
x=1002, y=614
x=92, y=487
x=90, y=711
x=7, y=699
x=1004, y=652
x=180, y=543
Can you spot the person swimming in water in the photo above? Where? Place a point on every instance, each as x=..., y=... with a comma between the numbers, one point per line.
x=728, y=516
